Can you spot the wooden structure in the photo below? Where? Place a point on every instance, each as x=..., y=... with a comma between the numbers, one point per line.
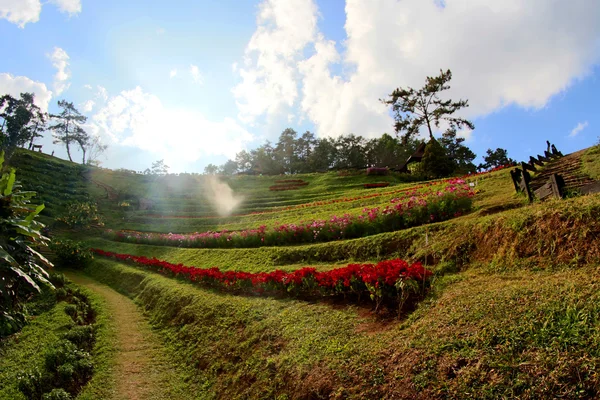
x=522, y=179
x=553, y=187
x=38, y=147
x=417, y=156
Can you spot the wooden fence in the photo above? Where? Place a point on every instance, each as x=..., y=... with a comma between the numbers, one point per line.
x=522, y=178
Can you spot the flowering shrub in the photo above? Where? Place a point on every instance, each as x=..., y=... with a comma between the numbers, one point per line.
x=376, y=185
x=410, y=210
x=70, y=254
x=391, y=281
x=81, y=214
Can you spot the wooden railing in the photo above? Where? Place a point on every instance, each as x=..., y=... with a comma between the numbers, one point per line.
x=522, y=178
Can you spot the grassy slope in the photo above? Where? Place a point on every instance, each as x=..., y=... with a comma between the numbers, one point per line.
x=514, y=311
x=25, y=351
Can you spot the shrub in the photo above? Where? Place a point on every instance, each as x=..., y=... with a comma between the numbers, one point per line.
x=435, y=162
x=71, y=254
x=81, y=214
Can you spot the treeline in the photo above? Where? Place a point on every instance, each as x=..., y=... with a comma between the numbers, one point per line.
x=22, y=122
x=305, y=153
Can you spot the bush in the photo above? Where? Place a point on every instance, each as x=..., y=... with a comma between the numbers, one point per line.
x=71, y=254
x=435, y=162
x=81, y=214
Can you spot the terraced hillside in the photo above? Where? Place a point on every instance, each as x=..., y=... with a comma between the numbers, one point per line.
x=510, y=310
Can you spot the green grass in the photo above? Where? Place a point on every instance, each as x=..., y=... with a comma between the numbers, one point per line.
x=483, y=335
x=24, y=351
x=513, y=311
x=591, y=162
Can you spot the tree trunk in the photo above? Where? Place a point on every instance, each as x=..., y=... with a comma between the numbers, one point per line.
x=83, y=150
x=429, y=127
x=69, y=152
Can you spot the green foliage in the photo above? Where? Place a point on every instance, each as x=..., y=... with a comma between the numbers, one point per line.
x=21, y=267
x=416, y=108
x=68, y=364
x=67, y=128
x=495, y=158
x=435, y=162
x=462, y=157
x=71, y=254
x=21, y=121
x=81, y=214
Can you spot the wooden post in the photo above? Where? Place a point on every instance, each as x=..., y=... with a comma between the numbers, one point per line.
x=525, y=179
x=515, y=174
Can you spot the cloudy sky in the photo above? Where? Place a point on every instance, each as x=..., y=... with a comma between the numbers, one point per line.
x=195, y=81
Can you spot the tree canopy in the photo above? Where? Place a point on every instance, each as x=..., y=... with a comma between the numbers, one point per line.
x=67, y=128
x=495, y=158
x=423, y=107
x=21, y=121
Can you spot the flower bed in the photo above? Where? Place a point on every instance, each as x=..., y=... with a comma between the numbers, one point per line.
x=376, y=185
x=340, y=200
x=391, y=282
x=291, y=184
x=289, y=181
x=401, y=213
x=377, y=171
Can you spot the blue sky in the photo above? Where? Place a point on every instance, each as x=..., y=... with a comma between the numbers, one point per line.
x=193, y=82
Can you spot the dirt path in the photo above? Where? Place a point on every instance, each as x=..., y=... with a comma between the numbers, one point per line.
x=142, y=371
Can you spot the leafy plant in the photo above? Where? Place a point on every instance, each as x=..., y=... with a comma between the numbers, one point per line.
x=21, y=267
x=71, y=254
x=81, y=214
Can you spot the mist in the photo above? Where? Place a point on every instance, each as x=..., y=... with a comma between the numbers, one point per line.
x=221, y=196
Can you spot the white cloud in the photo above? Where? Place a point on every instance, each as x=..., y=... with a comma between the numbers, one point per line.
x=21, y=12
x=60, y=61
x=89, y=87
x=70, y=7
x=500, y=52
x=580, y=126
x=196, y=75
x=15, y=85
x=102, y=93
x=269, y=75
x=173, y=73
x=179, y=135
x=88, y=106
x=161, y=31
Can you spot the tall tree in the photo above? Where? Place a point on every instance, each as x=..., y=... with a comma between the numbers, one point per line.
x=285, y=150
x=67, y=128
x=461, y=156
x=229, y=168
x=211, y=169
x=22, y=121
x=416, y=108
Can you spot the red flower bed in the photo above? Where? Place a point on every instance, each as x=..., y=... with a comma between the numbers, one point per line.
x=392, y=282
x=376, y=185
x=289, y=181
x=288, y=186
x=377, y=171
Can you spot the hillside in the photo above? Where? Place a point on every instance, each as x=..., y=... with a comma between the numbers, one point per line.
x=512, y=310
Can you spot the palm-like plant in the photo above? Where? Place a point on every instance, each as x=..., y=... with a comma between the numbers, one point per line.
x=21, y=267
